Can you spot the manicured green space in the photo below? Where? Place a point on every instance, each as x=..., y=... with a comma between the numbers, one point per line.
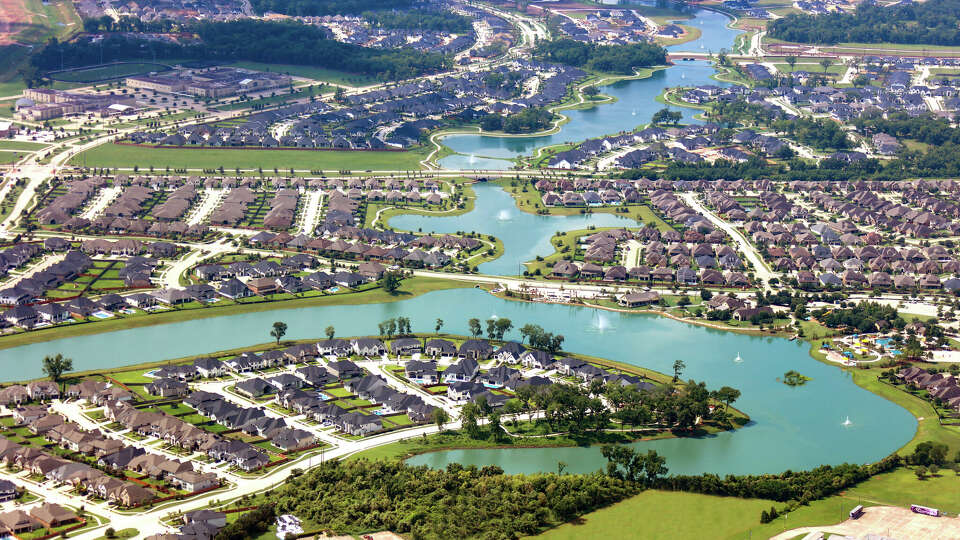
x=902, y=488
x=665, y=515
x=122, y=533
x=21, y=145
x=128, y=156
x=111, y=71
x=282, y=96
x=315, y=73
x=814, y=68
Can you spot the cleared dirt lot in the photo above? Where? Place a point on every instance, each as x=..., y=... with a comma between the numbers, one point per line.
x=15, y=18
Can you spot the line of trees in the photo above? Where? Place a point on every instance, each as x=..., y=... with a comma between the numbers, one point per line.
x=325, y=7
x=420, y=19
x=397, y=326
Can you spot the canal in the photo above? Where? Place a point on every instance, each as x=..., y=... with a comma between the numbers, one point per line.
x=636, y=103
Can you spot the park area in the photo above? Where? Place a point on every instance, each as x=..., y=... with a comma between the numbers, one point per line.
x=128, y=156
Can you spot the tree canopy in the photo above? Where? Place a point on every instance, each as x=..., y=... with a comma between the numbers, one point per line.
x=325, y=7
x=458, y=502
x=285, y=42
x=935, y=22
x=623, y=59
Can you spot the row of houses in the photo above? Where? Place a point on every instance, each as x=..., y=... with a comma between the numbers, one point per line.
x=942, y=387
x=63, y=471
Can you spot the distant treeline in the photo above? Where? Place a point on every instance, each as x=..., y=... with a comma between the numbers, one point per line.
x=623, y=59
x=421, y=19
x=936, y=22
x=247, y=39
x=326, y=7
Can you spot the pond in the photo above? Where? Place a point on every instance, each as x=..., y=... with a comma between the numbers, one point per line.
x=524, y=235
x=793, y=428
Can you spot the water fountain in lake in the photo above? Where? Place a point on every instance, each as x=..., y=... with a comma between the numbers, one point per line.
x=600, y=322
x=847, y=423
x=472, y=160
x=504, y=215
x=738, y=360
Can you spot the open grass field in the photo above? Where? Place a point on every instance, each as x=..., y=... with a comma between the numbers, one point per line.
x=117, y=155
x=21, y=145
x=278, y=99
x=835, y=69
x=315, y=73
x=663, y=515
x=107, y=71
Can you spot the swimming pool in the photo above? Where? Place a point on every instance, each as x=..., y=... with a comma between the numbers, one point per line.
x=102, y=314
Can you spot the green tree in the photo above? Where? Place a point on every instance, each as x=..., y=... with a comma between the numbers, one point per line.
x=440, y=417
x=279, y=330
x=55, y=366
x=502, y=326
x=825, y=63
x=438, y=326
x=791, y=61
x=475, y=329
x=727, y=395
x=390, y=282
x=678, y=367
x=330, y=331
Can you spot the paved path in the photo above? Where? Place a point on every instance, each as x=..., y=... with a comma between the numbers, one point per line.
x=889, y=521
x=211, y=200
x=760, y=269
x=311, y=211
x=101, y=201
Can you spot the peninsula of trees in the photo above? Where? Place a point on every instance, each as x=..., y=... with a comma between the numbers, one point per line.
x=621, y=59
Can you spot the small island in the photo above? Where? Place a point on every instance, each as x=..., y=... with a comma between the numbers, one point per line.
x=794, y=378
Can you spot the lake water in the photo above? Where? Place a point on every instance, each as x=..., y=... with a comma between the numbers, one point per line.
x=792, y=427
x=524, y=235
x=635, y=105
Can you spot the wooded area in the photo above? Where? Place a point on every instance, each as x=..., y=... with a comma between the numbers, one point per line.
x=621, y=59
x=248, y=39
x=936, y=22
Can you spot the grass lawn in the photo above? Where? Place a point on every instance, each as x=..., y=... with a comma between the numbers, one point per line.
x=117, y=155
x=123, y=533
x=110, y=71
x=21, y=145
x=902, y=488
x=279, y=98
x=664, y=514
x=315, y=73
